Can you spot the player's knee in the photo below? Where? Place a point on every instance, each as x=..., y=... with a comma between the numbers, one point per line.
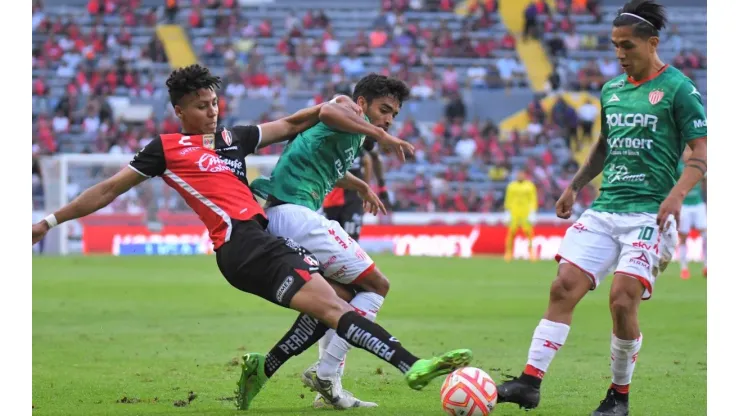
x=623, y=304
x=332, y=309
x=376, y=282
x=568, y=288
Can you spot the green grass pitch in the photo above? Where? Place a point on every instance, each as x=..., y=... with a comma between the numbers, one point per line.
x=154, y=329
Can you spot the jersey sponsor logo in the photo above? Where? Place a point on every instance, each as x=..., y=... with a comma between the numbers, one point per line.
x=283, y=288
x=641, y=260
x=618, y=84
x=655, y=96
x=622, y=174
x=646, y=246
x=339, y=273
x=632, y=120
x=209, y=141
x=338, y=238
x=628, y=146
x=226, y=149
x=187, y=150
x=368, y=342
x=613, y=99
x=226, y=135
x=305, y=327
x=211, y=163
x=699, y=124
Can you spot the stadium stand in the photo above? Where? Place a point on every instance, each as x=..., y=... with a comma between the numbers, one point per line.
x=99, y=68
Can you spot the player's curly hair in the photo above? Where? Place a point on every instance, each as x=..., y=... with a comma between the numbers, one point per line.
x=653, y=13
x=187, y=80
x=373, y=86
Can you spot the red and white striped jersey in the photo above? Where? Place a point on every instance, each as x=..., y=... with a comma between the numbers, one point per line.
x=209, y=172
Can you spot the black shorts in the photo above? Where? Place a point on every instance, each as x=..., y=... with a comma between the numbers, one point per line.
x=260, y=263
x=349, y=216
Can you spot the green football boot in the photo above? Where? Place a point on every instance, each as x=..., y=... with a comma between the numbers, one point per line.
x=252, y=379
x=424, y=371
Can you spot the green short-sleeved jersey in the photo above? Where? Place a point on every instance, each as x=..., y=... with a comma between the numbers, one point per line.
x=646, y=126
x=310, y=166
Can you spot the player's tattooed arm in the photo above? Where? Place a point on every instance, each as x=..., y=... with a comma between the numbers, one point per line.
x=695, y=169
x=592, y=167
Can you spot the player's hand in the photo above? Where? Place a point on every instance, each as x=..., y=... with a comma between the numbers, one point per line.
x=347, y=102
x=671, y=206
x=564, y=206
x=39, y=231
x=370, y=202
x=388, y=142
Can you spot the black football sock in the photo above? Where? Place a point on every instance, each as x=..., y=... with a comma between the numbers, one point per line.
x=371, y=337
x=305, y=332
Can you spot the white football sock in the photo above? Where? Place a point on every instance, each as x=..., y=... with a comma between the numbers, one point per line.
x=324, y=342
x=624, y=358
x=704, y=246
x=367, y=304
x=548, y=337
x=682, y=249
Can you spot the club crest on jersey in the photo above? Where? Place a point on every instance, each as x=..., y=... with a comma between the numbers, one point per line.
x=655, y=96
x=209, y=141
x=226, y=135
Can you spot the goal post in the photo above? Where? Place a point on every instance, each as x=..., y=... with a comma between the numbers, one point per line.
x=65, y=176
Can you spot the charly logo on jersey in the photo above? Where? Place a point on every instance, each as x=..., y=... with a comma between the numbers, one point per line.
x=632, y=120
x=620, y=173
x=655, y=96
x=694, y=91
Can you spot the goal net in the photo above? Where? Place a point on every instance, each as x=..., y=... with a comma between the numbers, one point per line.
x=151, y=218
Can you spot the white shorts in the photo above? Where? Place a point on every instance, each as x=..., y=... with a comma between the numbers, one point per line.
x=693, y=216
x=342, y=259
x=600, y=243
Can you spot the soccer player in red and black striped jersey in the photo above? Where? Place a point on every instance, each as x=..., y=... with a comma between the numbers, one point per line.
x=205, y=165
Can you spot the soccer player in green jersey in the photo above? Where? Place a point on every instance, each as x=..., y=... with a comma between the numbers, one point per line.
x=310, y=166
x=649, y=114
x=693, y=215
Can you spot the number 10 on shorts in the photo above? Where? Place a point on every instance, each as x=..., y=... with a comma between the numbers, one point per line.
x=646, y=233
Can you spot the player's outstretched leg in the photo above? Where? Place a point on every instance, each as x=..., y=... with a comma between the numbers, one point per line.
x=566, y=291
x=317, y=299
x=367, y=303
x=258, y=368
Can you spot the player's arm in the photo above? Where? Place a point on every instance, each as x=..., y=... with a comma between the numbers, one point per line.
x=288, y=127
x=593, y=165
x=147, y=163
x=691, y=120
x=371, y=201
x=341, y=118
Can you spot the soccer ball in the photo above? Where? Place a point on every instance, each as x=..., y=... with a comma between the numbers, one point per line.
x=468, y=391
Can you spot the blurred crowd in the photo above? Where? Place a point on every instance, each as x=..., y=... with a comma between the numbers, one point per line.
x=461, y=164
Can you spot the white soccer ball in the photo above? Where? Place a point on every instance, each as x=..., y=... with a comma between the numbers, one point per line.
x=468, y=391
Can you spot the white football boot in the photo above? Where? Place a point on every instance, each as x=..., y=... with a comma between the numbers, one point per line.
x=330, y=392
